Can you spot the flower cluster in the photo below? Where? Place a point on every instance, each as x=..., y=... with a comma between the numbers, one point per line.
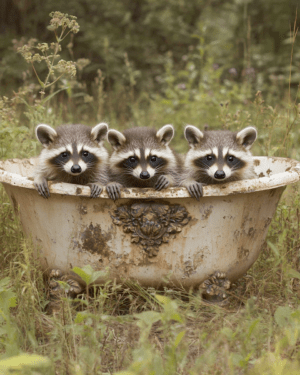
x=66, y=67
x=82, y=63
x=34, y=52
x=27, y=50
x=64, y=21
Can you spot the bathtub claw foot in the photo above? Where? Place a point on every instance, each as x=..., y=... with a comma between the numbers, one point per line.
x=55, y=273
x=75, y=287
x=214, y=289
x=56, y=291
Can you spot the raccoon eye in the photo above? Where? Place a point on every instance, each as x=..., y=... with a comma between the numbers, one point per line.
x=153, y=158
x=64, y=154
x=209, y=157
x=85, y=153
x=230, y=158
x=132, y=159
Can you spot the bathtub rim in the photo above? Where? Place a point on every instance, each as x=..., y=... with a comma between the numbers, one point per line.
x=239, y=187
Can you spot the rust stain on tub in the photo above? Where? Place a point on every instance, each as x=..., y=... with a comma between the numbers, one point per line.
x=94, y=240
x=15, y=204
x=101, y=207
x=251, y=232
x=206, y=212
x=242, y=253
x=199, y=257
x=82, y=209
x=272, y=192
x=267, y=222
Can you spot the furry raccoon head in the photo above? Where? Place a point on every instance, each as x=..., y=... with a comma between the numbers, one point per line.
x=71, y=149
x=141, y=153
x=219, y=156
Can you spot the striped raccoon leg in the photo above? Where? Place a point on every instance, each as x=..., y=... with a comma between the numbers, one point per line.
x=194, y=188
x=163, y=182
x=114, y=190
x=96, y=189
x=41, y=185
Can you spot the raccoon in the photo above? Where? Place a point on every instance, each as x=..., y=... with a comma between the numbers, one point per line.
x=142, y=158
x=217, y=156
x=74, y=154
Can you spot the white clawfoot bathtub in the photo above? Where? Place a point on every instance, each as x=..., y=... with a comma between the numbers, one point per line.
x=156, y=238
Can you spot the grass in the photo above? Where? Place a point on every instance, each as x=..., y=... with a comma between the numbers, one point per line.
x=134, y=330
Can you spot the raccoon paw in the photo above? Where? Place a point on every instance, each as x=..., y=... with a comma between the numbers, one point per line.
x=195, y=189
x=114, y=190
x=95, y=190
x=162, y=183
x=42, y=188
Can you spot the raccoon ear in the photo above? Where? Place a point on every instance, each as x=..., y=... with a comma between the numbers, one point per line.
x=246, y=137
x=45, y=134
x=115, y=138
x=165, y=134
x=193, y=135
x=99, y=132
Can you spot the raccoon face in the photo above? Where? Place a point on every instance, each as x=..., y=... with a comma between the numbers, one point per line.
x=220, y=156
x=142, y=163
x=141, y=152
x=74, y=159
x=72, y=148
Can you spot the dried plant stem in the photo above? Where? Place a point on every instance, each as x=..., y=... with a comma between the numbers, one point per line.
x=289, y=124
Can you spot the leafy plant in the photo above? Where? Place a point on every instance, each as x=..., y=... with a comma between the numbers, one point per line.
x=25, y=364
x=8, y=329
x=149, y=361
x=62, y=25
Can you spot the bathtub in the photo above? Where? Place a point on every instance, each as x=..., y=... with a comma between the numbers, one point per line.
x=156, y=238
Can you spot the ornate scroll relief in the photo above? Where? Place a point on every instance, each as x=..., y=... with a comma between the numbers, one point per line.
x=150, y=223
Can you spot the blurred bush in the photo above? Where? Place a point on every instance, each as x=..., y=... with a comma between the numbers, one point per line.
x=250, y=40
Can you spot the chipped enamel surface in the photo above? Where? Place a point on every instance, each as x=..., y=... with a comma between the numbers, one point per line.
x=272, y=172
x=154, y=237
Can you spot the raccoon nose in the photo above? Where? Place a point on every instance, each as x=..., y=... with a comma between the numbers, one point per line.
x=144, y=175
x=220, y=175
x=76, y=168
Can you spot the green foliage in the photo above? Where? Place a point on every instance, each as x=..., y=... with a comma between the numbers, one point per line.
x=246, y=41
x=8, y=329
x=24, y=364
x=147, y=361
x=206, y=63
x=34, y=52
x=12, y=133
x=88, y=275
x=273, y=362
x=37, y=110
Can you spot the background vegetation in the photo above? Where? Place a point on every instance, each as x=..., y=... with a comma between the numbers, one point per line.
x=225, y=64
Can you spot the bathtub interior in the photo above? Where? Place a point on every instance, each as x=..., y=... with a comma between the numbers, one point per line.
x=264, y=166
x=271, y=173
x=22, y=167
